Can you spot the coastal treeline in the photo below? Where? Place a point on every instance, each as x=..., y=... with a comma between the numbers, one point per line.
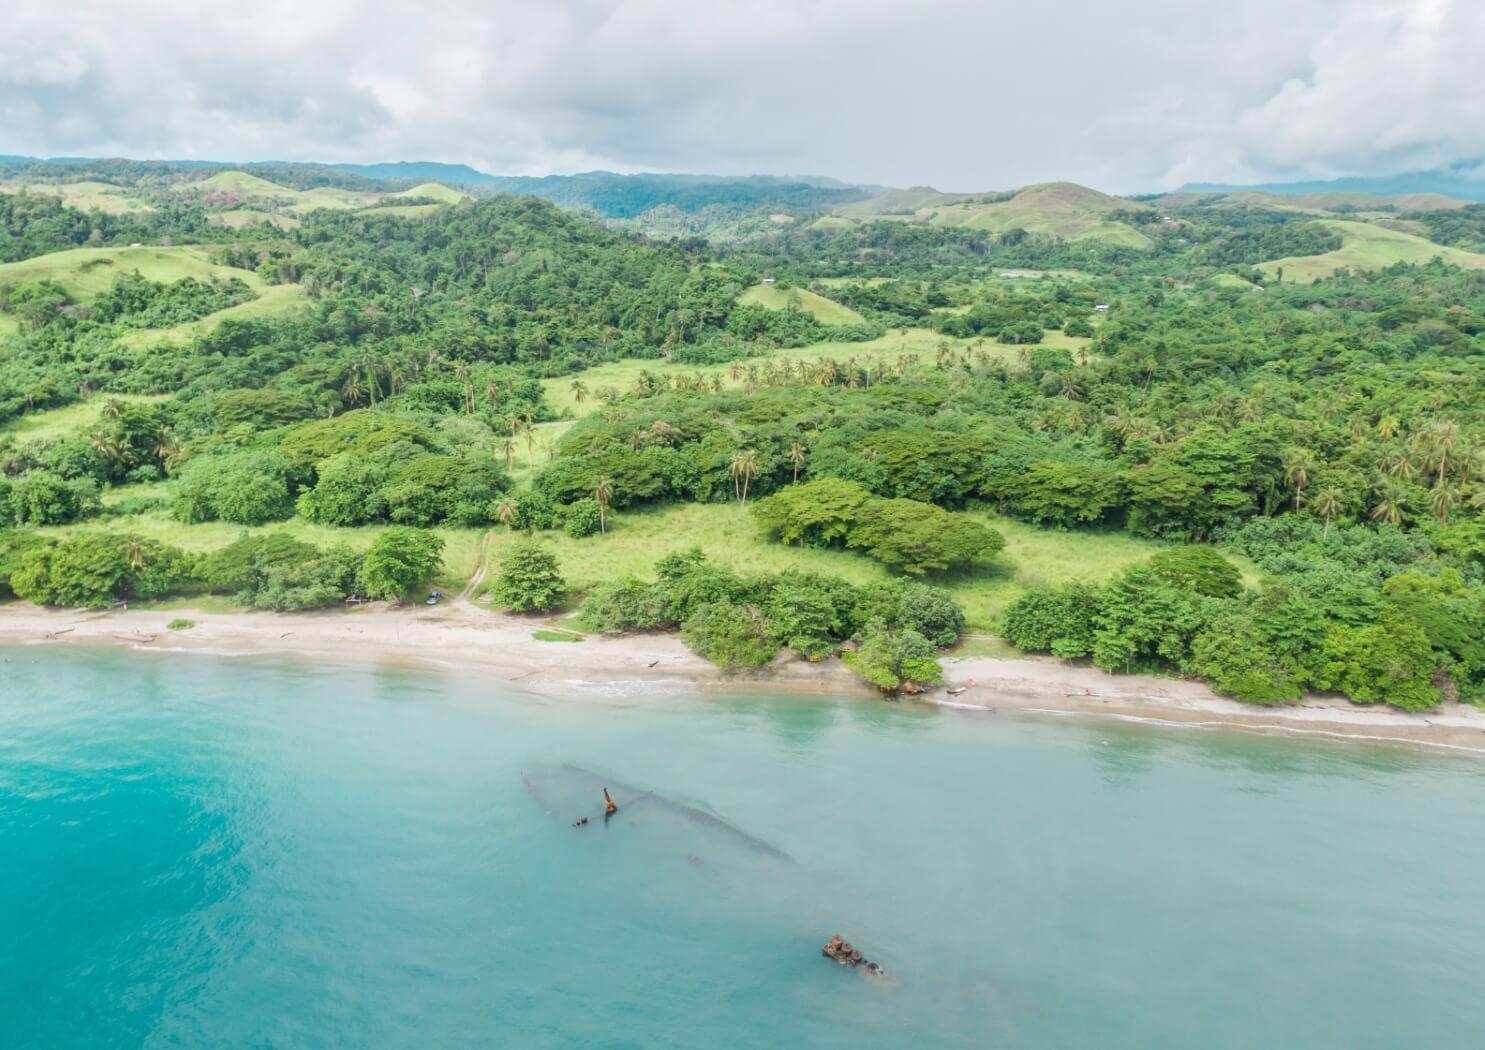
x=1328, y=433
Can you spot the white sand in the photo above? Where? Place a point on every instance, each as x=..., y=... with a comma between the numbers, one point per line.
x=458, y=635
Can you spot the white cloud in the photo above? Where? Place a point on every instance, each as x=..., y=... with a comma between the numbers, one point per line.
x=965, y=94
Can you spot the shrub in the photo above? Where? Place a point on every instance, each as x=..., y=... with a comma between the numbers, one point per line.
x=581, y=518
x=401, y=558
x=625, y=605
x=39, y=497
x=529, y=580
x=92, y=569
x=931, y=612
x=179, y=624
x=900, y=662
x=248, y=488
x=731, y=635
x=1235, y=659
x=326, y=579
x=1058, y=620
x=1199, y=569
x=1390, y=661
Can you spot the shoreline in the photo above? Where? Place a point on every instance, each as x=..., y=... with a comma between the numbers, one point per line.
x=462, y=637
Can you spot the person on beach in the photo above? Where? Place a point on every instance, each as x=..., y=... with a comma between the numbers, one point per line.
x=610, y=807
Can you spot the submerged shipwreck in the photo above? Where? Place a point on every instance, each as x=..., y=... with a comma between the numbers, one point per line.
x=567, y=789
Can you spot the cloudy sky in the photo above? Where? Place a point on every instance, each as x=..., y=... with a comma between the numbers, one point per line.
x=959, y=94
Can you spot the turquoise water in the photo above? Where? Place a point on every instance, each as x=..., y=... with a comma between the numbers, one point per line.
x=216, y=852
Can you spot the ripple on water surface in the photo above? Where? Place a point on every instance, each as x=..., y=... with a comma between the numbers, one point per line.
x=208, y=851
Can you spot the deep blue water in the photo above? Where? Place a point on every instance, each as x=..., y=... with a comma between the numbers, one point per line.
x=204, y=851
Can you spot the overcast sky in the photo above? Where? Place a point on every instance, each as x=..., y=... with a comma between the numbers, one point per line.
x=959, y=94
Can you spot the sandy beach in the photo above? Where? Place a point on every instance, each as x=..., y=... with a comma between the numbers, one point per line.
x=459, y=636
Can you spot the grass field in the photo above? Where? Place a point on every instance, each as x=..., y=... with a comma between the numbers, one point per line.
x=1368, y=247
x=59, y=422
x=237, y=218
x=405, y=211
x=252, y=188
x=433, y=191
x=1063, y=209
x=1231, y=280
x=85, y=196
x=824, y=310
x=917, y=343
x=726, y=532
x=273, y=300
x=239, y=184
x=728, y=535
x=461, y=550
x=87, y=272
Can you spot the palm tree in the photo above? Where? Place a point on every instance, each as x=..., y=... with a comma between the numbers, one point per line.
x=603, y=491
x=167, y=449
x=369, y=363
x=579, y=391
x=1442, y=500
x=492, y=395
x=1297, y=467
x=1389, y=508
x=1387, y=428
x=1442, y=440
x=112, y=408
x=352, y=390
x=135, y=553
x=743, y=465
x=509, y=447
x=1398, y=464
x=1328, y=504
x=796, y=457
x=506, y=512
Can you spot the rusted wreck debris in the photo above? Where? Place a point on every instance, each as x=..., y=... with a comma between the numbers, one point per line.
x=846, y=954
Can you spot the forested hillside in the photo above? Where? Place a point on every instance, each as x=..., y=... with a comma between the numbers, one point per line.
x=1173, y=453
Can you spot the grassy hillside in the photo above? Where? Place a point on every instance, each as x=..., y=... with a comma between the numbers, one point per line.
x=1060, y=209
x=87, y=272
x=239, y=184
x=264, y=198
x=84, y=196
x=1369, y=247
x=1317, y=203
x=918, y=344
x=433, y=191
x=822, y=309
x=898, y=203
x=71, y=419
x=237, y=218
x=406, y=211
x=273, y=301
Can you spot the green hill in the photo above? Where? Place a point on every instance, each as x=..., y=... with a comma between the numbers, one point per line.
x=433, y=191
x=261, y=197
x=1366, y=246
x=1327, y=201
x=237, y=218
x=241, y=185
x=85, y=273
x=898, y=203
x=84, y=196
x=1061, y=209
x=825, y=310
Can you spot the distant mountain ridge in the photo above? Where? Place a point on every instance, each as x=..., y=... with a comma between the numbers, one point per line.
x=609, y=194
x=1459, y=181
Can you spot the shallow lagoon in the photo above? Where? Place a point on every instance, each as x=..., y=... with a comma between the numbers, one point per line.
x=219, y=851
